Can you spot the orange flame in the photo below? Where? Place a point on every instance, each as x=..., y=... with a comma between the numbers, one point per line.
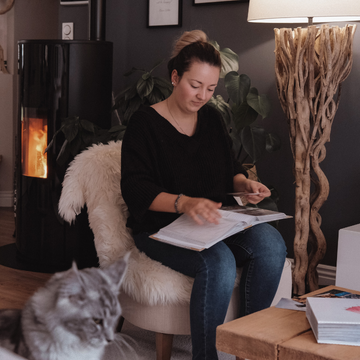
x=34, y=142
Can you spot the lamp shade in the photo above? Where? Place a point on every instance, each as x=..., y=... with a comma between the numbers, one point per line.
x=298, y=11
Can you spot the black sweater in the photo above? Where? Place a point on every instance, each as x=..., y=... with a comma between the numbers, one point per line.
x=157, y=158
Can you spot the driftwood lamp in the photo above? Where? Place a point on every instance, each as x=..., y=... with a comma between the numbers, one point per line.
x=310, y=65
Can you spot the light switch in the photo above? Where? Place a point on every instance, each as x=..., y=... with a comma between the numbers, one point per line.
x=68, y=31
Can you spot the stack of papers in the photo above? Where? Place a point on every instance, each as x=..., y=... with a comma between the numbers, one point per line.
x=185, y=232
x=334, y=321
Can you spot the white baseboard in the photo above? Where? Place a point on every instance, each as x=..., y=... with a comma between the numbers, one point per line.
x=327, y=274
x=6, y=198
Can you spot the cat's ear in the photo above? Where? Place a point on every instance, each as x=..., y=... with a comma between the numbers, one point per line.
x=117, y=270
x=73, y=288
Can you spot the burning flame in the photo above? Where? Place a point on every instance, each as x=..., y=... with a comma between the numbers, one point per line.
x=34, y=143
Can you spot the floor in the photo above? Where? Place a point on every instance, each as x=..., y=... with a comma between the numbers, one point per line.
x=16, y=286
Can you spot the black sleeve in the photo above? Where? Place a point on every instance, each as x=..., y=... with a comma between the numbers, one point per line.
x=138, y=166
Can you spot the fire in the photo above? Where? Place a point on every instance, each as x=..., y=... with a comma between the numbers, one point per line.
x=34, y=143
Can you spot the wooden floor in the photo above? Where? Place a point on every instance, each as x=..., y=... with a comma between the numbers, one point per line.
x=16, y=286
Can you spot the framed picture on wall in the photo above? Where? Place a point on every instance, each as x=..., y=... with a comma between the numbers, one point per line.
x=74, y=2
x=200, y=2
x=164, y=13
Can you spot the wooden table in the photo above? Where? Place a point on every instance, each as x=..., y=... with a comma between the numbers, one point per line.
x=279, y=334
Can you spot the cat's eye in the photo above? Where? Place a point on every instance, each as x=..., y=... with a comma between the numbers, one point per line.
x=98, y=321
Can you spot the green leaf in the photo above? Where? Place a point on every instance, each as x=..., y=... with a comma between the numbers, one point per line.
x=254, y=141
x=144, y=87
x=260, y=103
x=88, y=125
x=222, y=106
x=244, y=115
x=162, y=82
x=120, y=135
x=155, y=96
x=87, y=138
x=215, y=44
x=146, y=76
x=229, y=59
x=117, y=128
x=70, y=130
x=237, y=86
x=229, y=62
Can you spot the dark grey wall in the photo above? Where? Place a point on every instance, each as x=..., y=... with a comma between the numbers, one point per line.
x=139, y=46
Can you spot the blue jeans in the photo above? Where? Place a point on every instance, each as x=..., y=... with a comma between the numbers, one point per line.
x=260, y=250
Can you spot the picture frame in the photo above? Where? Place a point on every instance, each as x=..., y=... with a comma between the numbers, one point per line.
x=74, y=2
x=164, y=13
x=207, y=2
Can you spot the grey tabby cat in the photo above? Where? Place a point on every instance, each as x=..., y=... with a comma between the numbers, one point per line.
x=73, y=317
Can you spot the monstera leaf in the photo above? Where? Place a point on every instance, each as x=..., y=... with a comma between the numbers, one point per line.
x=229, y=59
x=147, y=90
x=246, y=104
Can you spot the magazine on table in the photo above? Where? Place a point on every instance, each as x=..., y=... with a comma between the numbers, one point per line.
x=334, y=320
x=185, y=232
x=299, y=303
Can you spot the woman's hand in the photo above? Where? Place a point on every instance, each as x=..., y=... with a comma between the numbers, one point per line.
x=200, y=209
x=241, y=183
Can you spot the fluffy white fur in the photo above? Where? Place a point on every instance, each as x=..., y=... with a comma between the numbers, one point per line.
x=93, y=178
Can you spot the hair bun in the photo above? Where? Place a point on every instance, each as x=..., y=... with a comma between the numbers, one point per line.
x=187, y=38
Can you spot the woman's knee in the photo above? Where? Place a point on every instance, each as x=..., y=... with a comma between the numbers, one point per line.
x=267, y=241
x=220, y=263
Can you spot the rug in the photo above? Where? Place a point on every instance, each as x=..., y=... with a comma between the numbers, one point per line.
x=142, y=346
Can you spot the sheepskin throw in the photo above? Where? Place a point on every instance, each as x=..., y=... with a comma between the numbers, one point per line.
x=93, y=178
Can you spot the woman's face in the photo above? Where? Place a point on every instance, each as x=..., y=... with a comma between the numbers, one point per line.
x=195, y=88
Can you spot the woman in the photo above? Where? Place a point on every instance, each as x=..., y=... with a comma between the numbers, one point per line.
x=177, y=158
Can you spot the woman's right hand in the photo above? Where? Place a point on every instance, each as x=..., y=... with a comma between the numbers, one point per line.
x=199, y=209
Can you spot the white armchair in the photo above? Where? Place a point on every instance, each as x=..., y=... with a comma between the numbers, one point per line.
x=154, y=297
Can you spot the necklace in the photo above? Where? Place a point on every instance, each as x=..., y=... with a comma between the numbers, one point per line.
x=182, y=130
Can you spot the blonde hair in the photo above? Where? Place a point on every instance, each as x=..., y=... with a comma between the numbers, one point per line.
x=187, y=38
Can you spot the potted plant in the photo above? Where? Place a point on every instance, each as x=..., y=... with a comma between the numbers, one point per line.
x=147, y=90
x=240, y=112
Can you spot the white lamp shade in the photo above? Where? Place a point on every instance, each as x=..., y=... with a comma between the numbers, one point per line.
x=298, y=11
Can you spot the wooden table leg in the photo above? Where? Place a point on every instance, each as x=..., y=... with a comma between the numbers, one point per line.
x=163, y=346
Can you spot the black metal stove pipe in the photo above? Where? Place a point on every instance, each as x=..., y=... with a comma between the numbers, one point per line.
x=97, y=16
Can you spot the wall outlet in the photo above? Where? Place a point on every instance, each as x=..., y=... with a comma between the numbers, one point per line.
x=68, y=31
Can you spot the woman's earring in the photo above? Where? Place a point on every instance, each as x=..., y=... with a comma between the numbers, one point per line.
x=172, y=83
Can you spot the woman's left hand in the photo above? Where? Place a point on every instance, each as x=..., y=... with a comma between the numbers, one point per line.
x=241, y=183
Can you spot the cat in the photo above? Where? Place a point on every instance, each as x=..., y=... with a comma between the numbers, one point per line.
x=73, y=317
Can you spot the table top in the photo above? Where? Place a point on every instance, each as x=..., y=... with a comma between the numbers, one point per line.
x=279, y=334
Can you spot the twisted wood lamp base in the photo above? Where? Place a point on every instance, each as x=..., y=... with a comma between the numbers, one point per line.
x=310, y=65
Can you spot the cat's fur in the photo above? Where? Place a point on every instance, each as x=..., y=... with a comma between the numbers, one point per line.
x=73, y=317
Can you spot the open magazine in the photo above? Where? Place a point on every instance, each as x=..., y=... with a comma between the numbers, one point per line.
x=185, y=232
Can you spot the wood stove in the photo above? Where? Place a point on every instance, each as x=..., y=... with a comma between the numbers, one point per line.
x=57, y=79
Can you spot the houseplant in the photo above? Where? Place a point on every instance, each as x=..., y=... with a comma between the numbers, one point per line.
x=147, y=90
x=240, y=112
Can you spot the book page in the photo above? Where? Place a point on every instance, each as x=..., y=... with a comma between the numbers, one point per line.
x=185, y=229
x=185, y=232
